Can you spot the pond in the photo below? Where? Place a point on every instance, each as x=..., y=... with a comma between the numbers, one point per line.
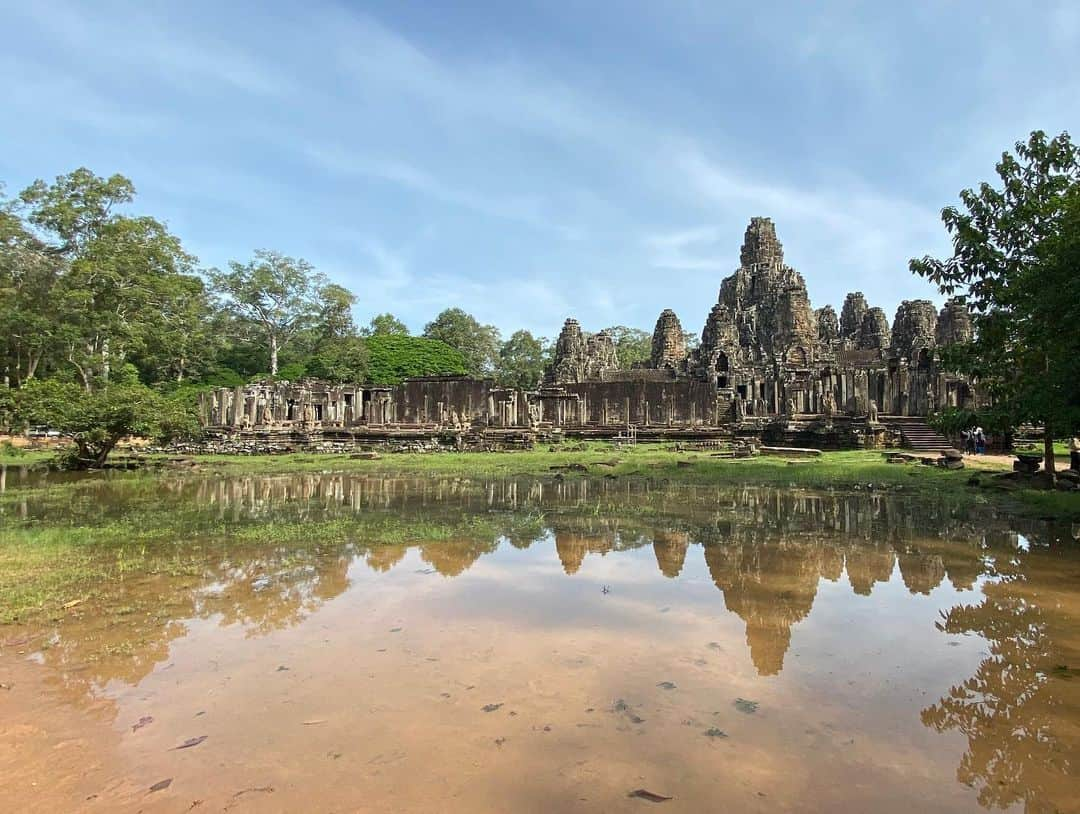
x=337, y=642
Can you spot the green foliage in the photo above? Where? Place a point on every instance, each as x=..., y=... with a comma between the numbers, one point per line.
x=633, y=346
x=522, y=361
x=278, y=296
x=91, y=288
x=1016, y=250
x=385, y=324
x=954, y=420
x=293, y=372
x=478, y=344
x=7, y=407
x=97, y=420
x=342, y=360
x=392, y=358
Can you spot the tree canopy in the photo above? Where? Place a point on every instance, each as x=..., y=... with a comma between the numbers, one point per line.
x=522, y=360
x=96, y=421
x=478, y=344
x=393, y=357
x=279, y=296
x=633, y=346
x=1015, y=258
x=386, y=324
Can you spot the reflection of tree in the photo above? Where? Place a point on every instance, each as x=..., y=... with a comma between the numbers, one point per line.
x=452, y=557
x=384, y=557
x=276, y=590
x=1020, y=712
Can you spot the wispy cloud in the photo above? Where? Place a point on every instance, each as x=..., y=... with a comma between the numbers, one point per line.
x=520, y=209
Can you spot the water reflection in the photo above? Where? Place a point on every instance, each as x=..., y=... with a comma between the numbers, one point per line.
x=266, y=553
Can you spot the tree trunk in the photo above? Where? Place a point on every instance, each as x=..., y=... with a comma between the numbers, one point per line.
x=103, y=453
x=1048, y=453
x=273, y=354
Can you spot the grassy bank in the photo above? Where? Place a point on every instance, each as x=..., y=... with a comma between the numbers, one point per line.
x=832, y=470
x=85, y=535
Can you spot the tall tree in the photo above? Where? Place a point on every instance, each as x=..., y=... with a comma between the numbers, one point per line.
x=479, y=344
x=522, y=360
x=28, y=276
x=118, y=273
x=335, y=318
x=279, y=295
x=1014, y=256
x=386, y=324
x=633, y=346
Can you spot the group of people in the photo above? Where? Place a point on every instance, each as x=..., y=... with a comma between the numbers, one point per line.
x=974, y=441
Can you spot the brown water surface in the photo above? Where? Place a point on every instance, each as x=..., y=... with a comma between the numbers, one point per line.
x=359, y=643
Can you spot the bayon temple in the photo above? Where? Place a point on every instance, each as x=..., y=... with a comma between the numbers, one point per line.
x=768, y=366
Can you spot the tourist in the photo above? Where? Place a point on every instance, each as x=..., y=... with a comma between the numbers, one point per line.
x=967, y=439
x=980, y=441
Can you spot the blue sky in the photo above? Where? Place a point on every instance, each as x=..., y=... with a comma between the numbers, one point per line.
x=530, y=161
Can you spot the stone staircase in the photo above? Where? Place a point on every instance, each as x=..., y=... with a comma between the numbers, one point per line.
x=917, y=434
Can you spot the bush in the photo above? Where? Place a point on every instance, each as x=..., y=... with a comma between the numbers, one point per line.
x=392, y=358
x=96, y=421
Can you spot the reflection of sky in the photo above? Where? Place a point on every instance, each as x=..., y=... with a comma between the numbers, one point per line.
x=383, y=631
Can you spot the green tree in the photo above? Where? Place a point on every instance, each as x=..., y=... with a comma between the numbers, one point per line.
x=522, y=360
x=478, y=344
x=278, y=296
x=117, y=274
x=392, y=358
x=632, y=345
x=385, y=324
x=28, y=276
x=1015, y=258
x=96, y=421
x=340, y=360
x=335, y=319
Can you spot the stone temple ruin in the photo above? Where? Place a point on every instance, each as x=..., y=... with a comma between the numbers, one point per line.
x=768, y=367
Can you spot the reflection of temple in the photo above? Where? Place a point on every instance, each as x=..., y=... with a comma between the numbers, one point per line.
x=572, y=548
x=770, y=587
x=765, y=548
x=670, y=549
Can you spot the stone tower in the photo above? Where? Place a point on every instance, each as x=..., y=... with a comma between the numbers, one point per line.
x=851, y=316
x=763, y=308
x=668, y=342
x=827, y=324
x=579, y=358
x=954, y=323
x=874, y=331
x=913, y=327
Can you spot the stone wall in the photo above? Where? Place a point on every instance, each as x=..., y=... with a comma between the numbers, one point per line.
x=767, y=363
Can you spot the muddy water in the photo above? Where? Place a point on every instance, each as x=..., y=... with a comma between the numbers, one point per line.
x=346, y=643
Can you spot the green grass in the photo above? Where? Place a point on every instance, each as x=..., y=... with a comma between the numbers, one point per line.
x=94, y=532
x=832, y=470
x=16, y=456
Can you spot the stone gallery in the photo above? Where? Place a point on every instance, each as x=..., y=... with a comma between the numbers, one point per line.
x=768, y=366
